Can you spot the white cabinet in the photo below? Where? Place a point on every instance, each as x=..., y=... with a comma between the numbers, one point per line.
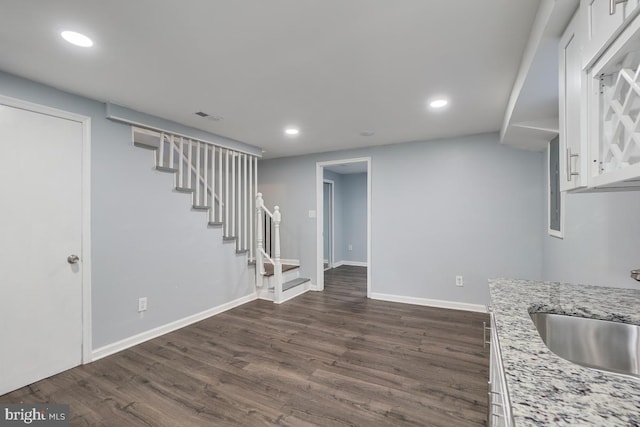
x=614, y=113
x=602, y=26
x=499, y=407
x=599, y=106
x=573, y=111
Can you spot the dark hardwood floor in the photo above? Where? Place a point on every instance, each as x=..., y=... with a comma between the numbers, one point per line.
x=330, y=359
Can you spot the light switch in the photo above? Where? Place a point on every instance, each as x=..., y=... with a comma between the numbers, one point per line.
x=312, y=214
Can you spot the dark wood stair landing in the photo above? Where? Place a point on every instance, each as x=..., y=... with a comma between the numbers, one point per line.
x=268, y=267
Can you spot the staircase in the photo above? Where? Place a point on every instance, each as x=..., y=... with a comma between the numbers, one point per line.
x=275, y=282
x=222, y=182
x=292, y=284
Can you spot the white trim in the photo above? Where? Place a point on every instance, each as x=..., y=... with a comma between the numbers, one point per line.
x=85, y=253
x=87, y=338
x=290, y=261
x=430, y=302
x=332, y=251
x=554, y=233
x=111, y=116
x=295, y=292
x=319, y=283
x=117, y=346
x=352, y=263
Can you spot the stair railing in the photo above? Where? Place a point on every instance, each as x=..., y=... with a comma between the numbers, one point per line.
x=222, y=181
x=262, y=213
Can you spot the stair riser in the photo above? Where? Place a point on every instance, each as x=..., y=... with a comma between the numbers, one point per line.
x=286, y=276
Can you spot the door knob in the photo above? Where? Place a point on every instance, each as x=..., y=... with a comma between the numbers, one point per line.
x=73, y=259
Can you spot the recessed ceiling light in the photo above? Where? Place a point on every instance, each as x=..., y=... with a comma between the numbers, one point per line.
x=438, y=103
x=292, y=131
x=77, y=38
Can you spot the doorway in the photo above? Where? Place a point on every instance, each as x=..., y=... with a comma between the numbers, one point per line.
x=44, y=242
x=328, y=223
x=361, y=166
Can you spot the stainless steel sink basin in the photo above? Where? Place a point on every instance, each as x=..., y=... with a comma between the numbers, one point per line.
x=600, y=344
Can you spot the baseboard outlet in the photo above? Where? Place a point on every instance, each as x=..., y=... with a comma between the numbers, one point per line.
x=430, y=302
x=351, y=263
x=115, y=347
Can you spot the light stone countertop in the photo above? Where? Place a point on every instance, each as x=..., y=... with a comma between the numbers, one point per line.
x=544, y=389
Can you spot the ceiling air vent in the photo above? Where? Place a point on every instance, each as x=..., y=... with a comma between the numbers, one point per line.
x=209, y=116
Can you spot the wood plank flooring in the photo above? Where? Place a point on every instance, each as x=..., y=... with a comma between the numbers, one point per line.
x=333, y=358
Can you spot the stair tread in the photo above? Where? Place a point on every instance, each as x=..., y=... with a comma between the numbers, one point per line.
x=215, y=224
x=166, y=169
x=229, y=239
x=184, y=189
x=293, y=283
x=242, y=251
x=201, y=207
x=144, y=145
x=268, y=267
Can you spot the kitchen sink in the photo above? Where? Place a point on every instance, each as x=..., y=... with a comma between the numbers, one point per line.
x=600, y=344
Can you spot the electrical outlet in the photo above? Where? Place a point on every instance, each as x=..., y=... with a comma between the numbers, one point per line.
x=459, y=281
x=142, y=304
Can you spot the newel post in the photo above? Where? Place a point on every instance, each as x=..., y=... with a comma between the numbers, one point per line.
x=277, y=267
x=259, y=243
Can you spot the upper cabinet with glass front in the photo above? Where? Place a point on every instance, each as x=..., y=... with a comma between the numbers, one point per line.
x=603, y=20
x=614, y=112
x=599, y=66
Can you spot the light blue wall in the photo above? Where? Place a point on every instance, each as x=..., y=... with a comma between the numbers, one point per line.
x=601, y=242
x=353, y=214
x=338, y=231
x=350, y=216
x=145, y=239
x=462, y=206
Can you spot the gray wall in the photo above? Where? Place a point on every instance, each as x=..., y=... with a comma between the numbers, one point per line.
x=463, y=206
x=353, y=213
x=145, y=239
x=601, y=240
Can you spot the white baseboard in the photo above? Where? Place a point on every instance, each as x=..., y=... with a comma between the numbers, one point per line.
x=294, y=292
x=352, y=263
x=430, y=302
x=117, y=346
x=264, y=293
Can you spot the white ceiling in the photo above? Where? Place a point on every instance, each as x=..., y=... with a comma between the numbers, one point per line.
x=333, y=68
x=348, y=168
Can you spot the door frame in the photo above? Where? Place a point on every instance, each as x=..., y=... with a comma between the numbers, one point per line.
x=333, y=223
x=320, y=218
x=85, y=251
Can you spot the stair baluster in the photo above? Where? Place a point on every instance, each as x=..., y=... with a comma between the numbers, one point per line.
x=266, y=237
x=220, y=219
x=181, y=165
x=277, y=265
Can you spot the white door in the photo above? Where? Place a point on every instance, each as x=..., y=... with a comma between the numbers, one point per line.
x=40, y=227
